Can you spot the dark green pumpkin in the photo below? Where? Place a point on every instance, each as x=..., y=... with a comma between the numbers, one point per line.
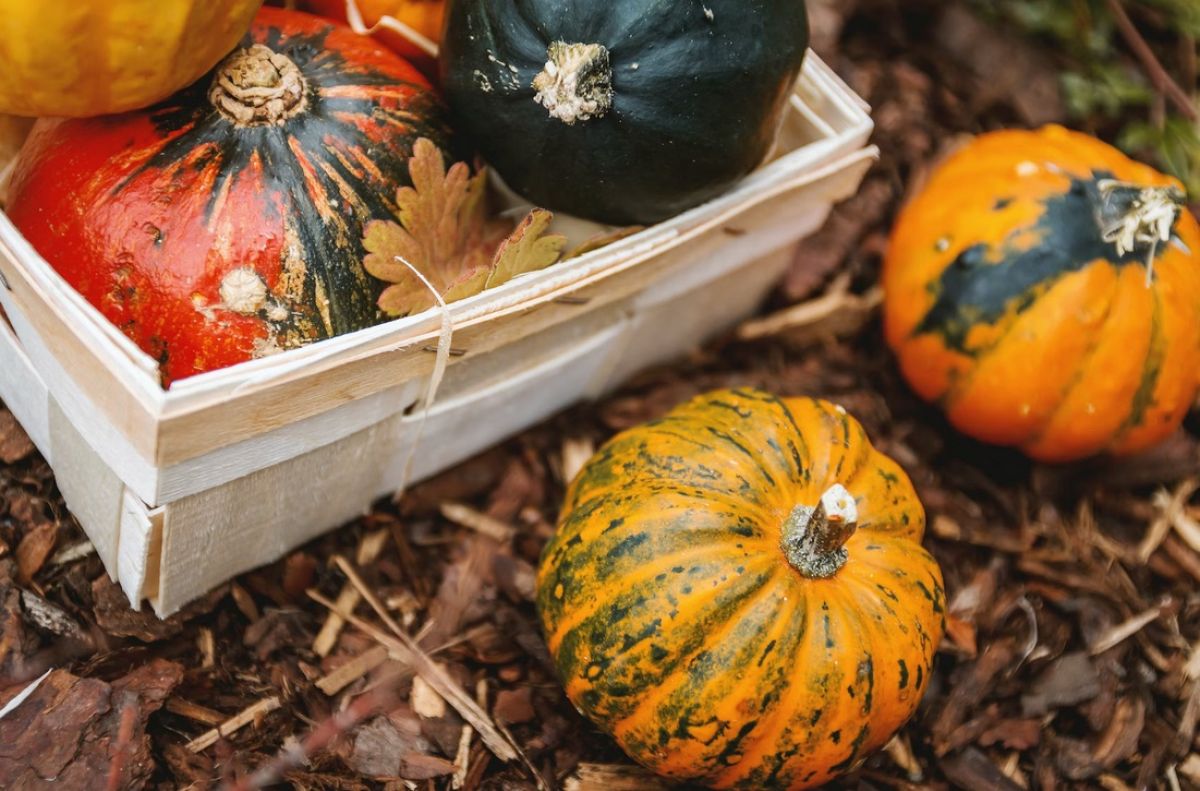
x=652, y=107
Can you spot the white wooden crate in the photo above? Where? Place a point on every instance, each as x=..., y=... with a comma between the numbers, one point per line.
x=182, y=489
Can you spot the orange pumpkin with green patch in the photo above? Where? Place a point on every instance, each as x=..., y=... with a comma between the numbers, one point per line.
x=1044, y=290
x=737, y=592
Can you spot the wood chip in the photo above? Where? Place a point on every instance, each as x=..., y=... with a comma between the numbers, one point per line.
x=1071, y=679
x=1123, y=631
x=901, y=752
x=35, y=549
x=972, y=769
x=337, y=680
x=245, y=602
x=234, y=724
x=462, y=758
x=73, y=553
x=468, y=517
x=613, y=777
x=575, y=453
x=369, y=549
x=206, y=644
x=194, y=711
x=426, y=702
x=15, y=444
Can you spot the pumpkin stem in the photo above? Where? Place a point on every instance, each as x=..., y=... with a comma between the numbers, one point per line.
x=257, y=86
x=814, y=538
x=1131, y=217
x=576, y=84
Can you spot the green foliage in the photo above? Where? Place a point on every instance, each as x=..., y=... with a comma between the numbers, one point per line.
x=1103, y=84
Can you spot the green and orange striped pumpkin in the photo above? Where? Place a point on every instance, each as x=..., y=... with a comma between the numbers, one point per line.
x=738, y=594
x=1044, y=290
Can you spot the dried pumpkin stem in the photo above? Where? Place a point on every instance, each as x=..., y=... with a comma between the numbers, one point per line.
x=257, y=86
x=1133, y=217
x=814, y=538
x=576, y=84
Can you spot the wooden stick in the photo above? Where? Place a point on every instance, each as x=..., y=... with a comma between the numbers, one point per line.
x=194, y=711
x=463, y=515
x=369, y=549
x=1154, y=68
x=337, y=680
x=234, y=724
x=462, y=759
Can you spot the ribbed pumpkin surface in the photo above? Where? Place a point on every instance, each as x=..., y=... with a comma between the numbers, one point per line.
x=73, y=58
x=221, y=225
x=679, y=625
x=1007, y=306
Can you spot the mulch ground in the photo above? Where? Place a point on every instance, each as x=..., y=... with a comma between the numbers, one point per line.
x=1073, y=653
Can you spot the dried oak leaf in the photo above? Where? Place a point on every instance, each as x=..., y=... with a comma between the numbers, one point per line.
x=444, y=232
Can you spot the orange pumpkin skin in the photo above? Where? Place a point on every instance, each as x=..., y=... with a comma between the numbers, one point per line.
x=1007, y=307
x=211, y=239
x=679, y=624
x=423, y=16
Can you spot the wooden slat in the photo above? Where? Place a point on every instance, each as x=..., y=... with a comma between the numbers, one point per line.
x=87, y=363
x=328, y=384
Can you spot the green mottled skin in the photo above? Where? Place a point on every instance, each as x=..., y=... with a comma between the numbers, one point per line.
x=678, y=625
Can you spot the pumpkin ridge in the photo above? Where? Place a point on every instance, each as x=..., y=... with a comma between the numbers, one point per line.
x=768, y=728
x=670, y=531
x=1142, y=399
x=961, y=384
x=1069, y=241
x=748, y=686
x=576, y=657
x=793, y=727
x=1081, y=366
x=731, y=619
x=629, y=581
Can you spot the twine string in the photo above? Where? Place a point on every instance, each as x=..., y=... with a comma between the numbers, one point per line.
x=355, y=19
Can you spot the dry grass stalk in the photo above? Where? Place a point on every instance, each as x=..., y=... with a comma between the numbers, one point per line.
x=234, y=724
x=836, y=312
x=403, y=644
x=462, y=759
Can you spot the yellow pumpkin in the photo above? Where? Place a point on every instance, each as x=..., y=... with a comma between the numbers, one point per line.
x=738, y=593
x=93, y=57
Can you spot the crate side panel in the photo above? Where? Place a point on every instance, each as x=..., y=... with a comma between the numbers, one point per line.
x=23, y=391
x=208, y=538
x=212, y=536
x=104, y=439
x=89, y=487
x=499, y=410
x=231, y=462
x=138, y=542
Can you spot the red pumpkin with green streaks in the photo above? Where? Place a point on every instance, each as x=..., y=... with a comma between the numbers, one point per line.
x=227, y=222
x=738, y=593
